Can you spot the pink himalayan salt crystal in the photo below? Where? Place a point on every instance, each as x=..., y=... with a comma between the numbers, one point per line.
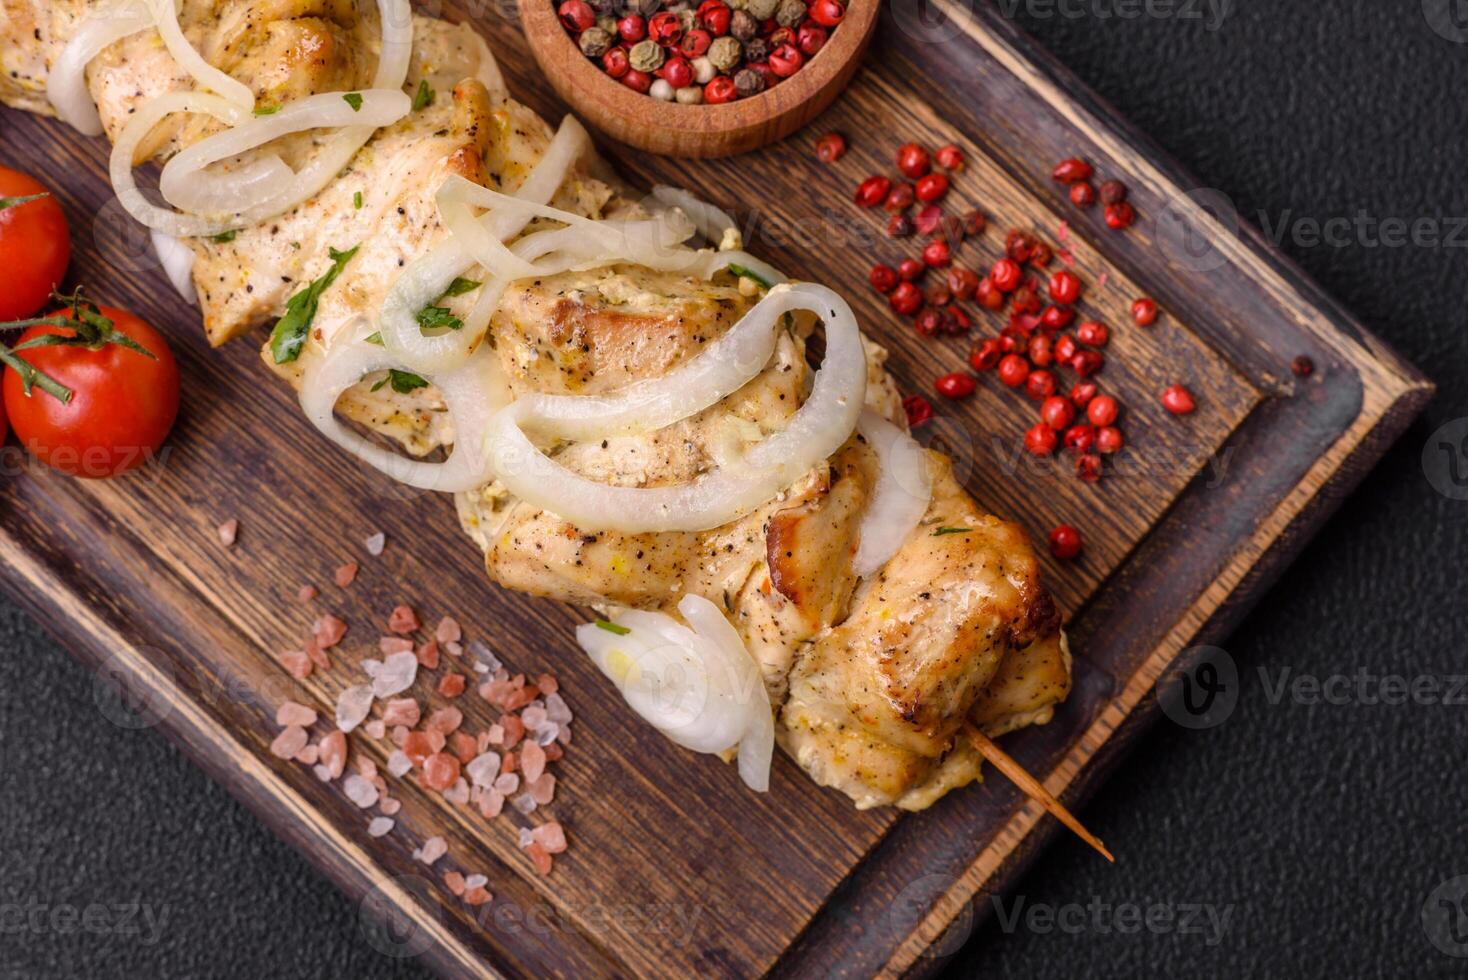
x=428, y=655
x=296, y=663
x=360, y=791
x=379, y=827
x=309, y=755
x=228, y=531
x=291, y=713
x=396, y=676
x=552, y=837
x=390, y=645
x=448, y=630
x=375, y=728
x=454, y=882
x=477, y=896
x=445, y=720
x=492, y=803
x=484, y=769
x=506, y=783
x=375, y=544
x=458, y=794
x=345, y=574
x=306, y=593
x=433, y=849
x=398, y=764
x=334, y=754
x=532, y=761
x=329, y=630
x=402, y=711
x=389, y=805
x=289, y=742
x=542, y=790
x=524, y=803
x=353, y=706
x=403, y=620
x=476, y=881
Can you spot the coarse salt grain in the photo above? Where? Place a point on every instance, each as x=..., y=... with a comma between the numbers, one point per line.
x=399, y=764
x=476, y=881
x=477, y=897
x=376, y=543
x=345, y=574
x=454, y=881
x=506, y=783
x=448, y=630
x=291, y=713
x=375, y=728
x=390, y=806
x=492, y=804
x=403, y=620
x=306, y=593
x=458, y=794
x=353, y=706
x=396, y=676
x=329, y=630
x=546, y=734
x=228, y=531
x=552, y=837
x=334, y=754
x=322, y=773
x=542, y=790
x=557, y=710
x=402, y=711
x=379, y=827
x=524, y=803
x=484, y=655
x=371, y=666
x=390, y=645
x=526, y=837
x=534, y=716
x=445, y=720
x=289, y=742
x=433, y=849
x=532, y=761
x=454, y=649
x=484, y=769
x=296, y=663
x=308, y=756
x=360, y=791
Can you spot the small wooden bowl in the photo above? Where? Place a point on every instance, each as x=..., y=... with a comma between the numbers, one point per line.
x=671, y=129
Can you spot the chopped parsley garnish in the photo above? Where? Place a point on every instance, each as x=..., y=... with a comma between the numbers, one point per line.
x=423, y=98
x=438, y=316
x=357, y=200
x=375, y=339
x=289, y=335
x=225, y=237
x=266, y=110
x=952, y=530
x=460, y=286
x=353, y=99
x=602, y=624
x=744, y=273
x=402, y=381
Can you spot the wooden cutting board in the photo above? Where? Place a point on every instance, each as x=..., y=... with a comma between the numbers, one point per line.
x=675, y=870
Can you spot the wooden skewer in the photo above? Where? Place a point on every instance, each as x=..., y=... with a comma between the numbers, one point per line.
x=1002, y=761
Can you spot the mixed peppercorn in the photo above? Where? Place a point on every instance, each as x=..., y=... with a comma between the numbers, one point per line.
x=717, y=51
x=1044, y=333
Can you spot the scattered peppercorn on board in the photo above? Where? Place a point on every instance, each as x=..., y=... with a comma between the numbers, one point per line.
x=674, y=869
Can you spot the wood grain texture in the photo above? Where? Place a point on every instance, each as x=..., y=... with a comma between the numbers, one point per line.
x=672, y=129
x=674, y=870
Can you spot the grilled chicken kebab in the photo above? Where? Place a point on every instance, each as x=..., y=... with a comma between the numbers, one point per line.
x=450, y=272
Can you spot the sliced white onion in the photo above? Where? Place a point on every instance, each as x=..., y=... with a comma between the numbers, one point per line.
x=66, y=84
x=428, y=277
x=473, y=393
x=725, y=493
x=695, y=683
x=120, y=164
x=165, y=16
x=900, y=498
x=267, y=187
x=720, y=369
x=712, y=263
x=712, y=223
x=178, y=264
x=397, y=43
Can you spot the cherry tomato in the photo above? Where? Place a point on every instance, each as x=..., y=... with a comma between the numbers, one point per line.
x=123, y=402
x=34, y=245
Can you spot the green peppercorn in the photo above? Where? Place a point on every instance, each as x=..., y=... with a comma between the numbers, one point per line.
x=646, y=56
x=725, y=53
x=790, y=13
x=737, y=4
x=762, y=9
x=743, y=26
x=687, y=19
x=750, y=82
x=594, y=42
x=691, y=95
x=608, y=24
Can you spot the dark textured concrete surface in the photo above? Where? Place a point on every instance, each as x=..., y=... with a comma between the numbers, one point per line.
x=1319, y=831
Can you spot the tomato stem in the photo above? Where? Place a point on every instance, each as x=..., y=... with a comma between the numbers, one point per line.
x=32, y=378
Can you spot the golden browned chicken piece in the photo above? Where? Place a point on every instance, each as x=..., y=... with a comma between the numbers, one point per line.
x=871, y=679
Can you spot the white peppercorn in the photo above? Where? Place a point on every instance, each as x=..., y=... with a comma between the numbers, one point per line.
x=762, y=9
x=703, y=70
x=691, y=95
x=725, y=53
x=661, y=90
x=646, y=56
